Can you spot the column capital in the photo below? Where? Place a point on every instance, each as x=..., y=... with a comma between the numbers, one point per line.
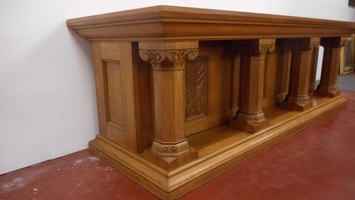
x=164, y=55
x=257, y=47
x=334, y=42
x=298, y=45
x=168, y=60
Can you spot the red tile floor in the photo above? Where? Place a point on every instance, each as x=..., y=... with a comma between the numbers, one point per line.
x=316, y=163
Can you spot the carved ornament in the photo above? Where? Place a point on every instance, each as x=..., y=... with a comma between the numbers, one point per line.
x=301, y=46
x=168, y=60
x=334, y=42
x=196, y=88
x=254, y=50
x=170, y=148
x=251, y=117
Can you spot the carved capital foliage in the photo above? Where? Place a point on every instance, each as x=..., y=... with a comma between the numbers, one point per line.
x=254, y=50
x=299, y=45
x=153, y=57
x=182, y=55
x=168, y=60
x=334, y=42
x=253, y=47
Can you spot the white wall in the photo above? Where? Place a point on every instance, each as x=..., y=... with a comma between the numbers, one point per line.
x=47, y=97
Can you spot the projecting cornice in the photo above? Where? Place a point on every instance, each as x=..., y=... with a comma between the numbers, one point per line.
x=179, y=23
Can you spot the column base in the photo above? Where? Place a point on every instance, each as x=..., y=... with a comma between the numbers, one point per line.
x=298, y=103
x=169, y=156
x=249, y=122
x=327, y=91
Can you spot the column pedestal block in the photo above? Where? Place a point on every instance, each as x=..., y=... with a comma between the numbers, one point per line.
x=327, y=91
x=170, y=156
x=298, y=103
x=249, y=122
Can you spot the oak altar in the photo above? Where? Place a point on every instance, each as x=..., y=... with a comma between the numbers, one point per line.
x=186, y=94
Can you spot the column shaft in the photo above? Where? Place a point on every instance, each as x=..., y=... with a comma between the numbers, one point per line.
x=328, y=86
x=302, y=65
x=170, y=149
x=250, y=116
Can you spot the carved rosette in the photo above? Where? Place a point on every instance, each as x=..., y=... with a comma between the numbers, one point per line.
x=168, y=60
x=170, y=149
x=251, y=117
x=170, y=155
x=254, y=50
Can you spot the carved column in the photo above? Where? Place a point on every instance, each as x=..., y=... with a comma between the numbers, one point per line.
x=250, y=116
x=328, y=86
x=302, y=64
x=170, y=149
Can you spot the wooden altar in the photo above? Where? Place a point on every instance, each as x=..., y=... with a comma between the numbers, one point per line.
x=186, y=94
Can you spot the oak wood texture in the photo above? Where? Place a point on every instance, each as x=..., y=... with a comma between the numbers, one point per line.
x=302, y=68
x=185, y=94
x=250, y=116
x=328, y=84
x=170, y=148
x=170, y=22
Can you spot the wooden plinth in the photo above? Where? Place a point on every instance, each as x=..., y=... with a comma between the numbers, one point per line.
x=220, y=149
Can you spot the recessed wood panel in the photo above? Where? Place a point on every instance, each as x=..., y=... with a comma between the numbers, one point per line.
x=114, y=94
x=209, y=87
x=270, y=79
x=277, y=73
x=144, y=106
x=312, y=81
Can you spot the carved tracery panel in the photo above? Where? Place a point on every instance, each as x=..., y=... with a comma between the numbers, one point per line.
x=196, y=88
